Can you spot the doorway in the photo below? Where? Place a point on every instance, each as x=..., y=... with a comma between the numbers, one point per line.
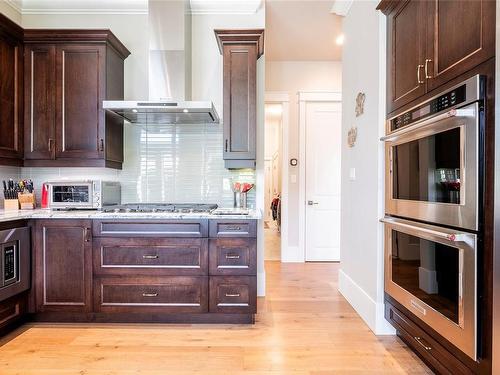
x=273, y=156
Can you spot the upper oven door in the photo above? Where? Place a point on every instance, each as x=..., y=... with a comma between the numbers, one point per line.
x=432, y=169
x=432, y=272
x=70, y=195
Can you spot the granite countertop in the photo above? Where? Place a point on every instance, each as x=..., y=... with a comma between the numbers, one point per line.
x=90, y=214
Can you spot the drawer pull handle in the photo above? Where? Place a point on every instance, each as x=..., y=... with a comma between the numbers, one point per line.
x=232, y=294
x=422, y=343
x=150, y=256
x=234, y=228
x=150, y=294
x=232, y=256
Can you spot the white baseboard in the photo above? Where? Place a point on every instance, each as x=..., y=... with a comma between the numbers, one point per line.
x=292, y=255
x=261, y=284
x=369, y=310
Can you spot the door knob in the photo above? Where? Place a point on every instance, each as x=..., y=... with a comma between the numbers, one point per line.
x=310, y=203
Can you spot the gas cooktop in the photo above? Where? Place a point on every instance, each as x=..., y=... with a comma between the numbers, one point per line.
x=162, y=207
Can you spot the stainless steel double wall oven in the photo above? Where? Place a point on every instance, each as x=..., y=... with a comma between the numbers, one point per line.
x=434, y=169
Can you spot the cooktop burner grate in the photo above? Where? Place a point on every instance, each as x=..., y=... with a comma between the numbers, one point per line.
x=161, y=207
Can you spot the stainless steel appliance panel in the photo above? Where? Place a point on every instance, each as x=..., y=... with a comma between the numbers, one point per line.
x=15, y=262
x=432, y=272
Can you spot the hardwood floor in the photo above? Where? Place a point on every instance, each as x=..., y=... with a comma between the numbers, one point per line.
x=304, y=327
x=272, y=242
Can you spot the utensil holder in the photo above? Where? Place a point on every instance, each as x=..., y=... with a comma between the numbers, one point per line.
x=243, y=201
x=27, y=201
x=11, y=204
x=236, y=199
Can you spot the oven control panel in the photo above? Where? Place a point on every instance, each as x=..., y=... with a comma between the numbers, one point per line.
x=436, y=105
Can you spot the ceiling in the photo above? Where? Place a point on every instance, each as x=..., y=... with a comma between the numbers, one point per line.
x=302, y=30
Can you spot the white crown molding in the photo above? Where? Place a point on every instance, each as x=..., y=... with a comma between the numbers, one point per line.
x=341, y=7
x=35, y=7
x=201, y=7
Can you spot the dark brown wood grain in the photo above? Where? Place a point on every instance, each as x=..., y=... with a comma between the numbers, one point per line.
x=11, y=93
x=233, y=294
x=63, y=268
x=233, y=256
x=150, y=256
x=39, y=89
x=150, y=228
x=233, y=228
x=405, y=52
x=13, y=312
x=240, y=50
x=460, y=36
x=173, y=294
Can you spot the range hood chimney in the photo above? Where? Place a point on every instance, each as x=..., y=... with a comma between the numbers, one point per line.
x=169, y=75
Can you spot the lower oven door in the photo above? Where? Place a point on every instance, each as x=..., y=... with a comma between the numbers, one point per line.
x=432, y=272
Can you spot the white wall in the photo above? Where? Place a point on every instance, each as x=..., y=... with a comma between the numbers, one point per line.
x=362, y=272
x=292, y=77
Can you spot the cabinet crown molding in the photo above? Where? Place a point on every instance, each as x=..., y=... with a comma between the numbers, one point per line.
x=241, y=36
x=76, y=36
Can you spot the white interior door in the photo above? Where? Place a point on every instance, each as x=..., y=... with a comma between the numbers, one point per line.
x=322, y=190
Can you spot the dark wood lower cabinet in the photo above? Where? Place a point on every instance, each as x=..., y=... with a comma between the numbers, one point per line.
x=145, y=271
x=430, y=350
x=12, y=312
x=179, y=294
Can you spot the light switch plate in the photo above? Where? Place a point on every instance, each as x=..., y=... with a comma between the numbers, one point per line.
x=352, y=174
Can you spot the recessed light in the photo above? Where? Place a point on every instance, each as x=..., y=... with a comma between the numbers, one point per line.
x=340, y=40
x=185, y=110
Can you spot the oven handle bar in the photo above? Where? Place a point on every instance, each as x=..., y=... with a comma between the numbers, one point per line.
x=464, y=112
x=452, y=237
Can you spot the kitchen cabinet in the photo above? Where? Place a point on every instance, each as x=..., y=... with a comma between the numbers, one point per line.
x=11, y=92
x=68, y=73
x=240, y=50
x=63, y=265
x=12, y=312
x=431, y=42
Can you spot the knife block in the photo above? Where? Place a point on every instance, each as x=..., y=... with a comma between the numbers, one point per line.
x=27, y=201
x=11, y=204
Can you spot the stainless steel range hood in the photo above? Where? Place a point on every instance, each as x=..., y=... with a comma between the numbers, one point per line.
x=164, y=112
x=169, y=72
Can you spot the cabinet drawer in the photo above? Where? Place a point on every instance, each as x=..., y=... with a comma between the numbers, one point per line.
x=11, y=311
x=434, y=354
x=148, y=257
x=166, y=294
x=233, y=228
x=150, y=228
x=233, y=294
x=233, y=256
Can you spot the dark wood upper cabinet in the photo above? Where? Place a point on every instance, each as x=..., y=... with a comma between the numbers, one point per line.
x=240, y=50
x=460, y=36
x=69, y=73
x=11, y=92
x=406, y=51
x=63, y=265
x=429, y=43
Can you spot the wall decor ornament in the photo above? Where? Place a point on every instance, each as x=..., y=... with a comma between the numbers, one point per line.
x=360, y=103
x=352, y=134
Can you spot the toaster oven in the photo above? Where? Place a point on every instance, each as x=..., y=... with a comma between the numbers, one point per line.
x=85, y=194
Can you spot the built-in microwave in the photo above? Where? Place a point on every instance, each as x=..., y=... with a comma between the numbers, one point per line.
x=432, y=272
x=84, y=194
x=433, y=163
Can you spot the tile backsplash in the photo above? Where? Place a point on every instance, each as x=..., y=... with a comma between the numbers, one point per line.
x=163, y=163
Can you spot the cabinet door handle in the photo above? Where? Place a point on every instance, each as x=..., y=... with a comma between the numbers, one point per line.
x=150, y=294
x=233, y=228
x=419, y=67
x=232, y=256
x=101, y=145
x=50, y=145
x=232, y=294
x=86, y=234
x=422, y=343
x=227, y=143
x=427, y=61
x=150, y=256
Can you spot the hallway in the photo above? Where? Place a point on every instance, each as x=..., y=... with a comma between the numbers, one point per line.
x=304, y=326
